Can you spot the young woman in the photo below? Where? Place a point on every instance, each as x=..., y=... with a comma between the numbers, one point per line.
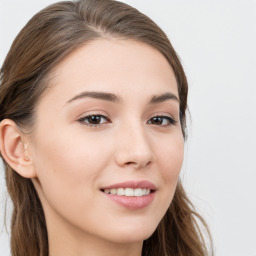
x=93, y=120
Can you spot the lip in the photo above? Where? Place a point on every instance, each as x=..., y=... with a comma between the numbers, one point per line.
x=133, y=184
x=132, y=202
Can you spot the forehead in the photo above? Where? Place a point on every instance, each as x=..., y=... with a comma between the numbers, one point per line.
x=114, y=65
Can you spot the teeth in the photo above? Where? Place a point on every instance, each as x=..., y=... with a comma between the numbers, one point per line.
x=113, y=191
x=128, y=191
x=107, y=191
x=120, y=192
x=138, y=192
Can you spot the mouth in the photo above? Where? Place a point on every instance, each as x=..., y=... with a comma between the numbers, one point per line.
x=132, y=195
x=129, y=192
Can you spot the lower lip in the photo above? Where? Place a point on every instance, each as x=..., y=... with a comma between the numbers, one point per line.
x=132, y=202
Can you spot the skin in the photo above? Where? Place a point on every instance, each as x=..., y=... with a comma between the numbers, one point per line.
x=73, y=160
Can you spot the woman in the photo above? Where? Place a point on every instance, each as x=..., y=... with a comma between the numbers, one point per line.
x=93, y=109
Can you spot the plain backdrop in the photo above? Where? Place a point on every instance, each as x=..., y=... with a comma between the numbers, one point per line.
x=216, y=42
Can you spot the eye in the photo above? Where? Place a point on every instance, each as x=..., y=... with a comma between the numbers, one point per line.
x=94, y=120
x=162, y=121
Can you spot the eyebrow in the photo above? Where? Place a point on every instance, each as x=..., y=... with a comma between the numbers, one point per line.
x=163, y=97
x=97, y=95
x=116, y=99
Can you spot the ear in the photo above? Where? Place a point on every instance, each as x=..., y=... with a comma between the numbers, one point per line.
x=14, y=149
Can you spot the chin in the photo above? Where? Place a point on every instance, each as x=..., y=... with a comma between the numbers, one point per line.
x=132, y=234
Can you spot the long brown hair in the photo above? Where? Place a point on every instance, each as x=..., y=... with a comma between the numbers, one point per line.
x=47, y=39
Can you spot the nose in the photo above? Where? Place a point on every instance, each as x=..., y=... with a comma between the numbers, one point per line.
x=134, y=148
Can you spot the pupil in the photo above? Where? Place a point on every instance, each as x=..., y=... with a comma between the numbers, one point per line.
x=94, y=119
x=157, y=120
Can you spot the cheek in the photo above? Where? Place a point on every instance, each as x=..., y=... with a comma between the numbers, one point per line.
x=64, y=153
x=170, y=160
x=170, y=157
x=68, y=166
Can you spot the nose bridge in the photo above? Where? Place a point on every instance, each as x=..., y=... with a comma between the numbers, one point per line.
x=134, y=147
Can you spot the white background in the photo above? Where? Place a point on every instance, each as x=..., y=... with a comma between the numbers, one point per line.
x=216, y=42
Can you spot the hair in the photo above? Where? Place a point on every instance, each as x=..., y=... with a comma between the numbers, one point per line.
x=49, y=37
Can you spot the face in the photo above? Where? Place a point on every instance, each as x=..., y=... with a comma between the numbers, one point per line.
x=108, y=147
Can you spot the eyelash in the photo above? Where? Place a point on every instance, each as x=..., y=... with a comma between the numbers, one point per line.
x=169, y=119
x=83, y=120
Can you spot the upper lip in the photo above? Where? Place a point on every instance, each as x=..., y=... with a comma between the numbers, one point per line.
x=133, y=184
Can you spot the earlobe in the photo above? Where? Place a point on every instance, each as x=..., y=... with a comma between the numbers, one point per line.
x=13, y=147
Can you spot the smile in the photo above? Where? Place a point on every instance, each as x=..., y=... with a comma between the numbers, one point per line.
x=133, y=195
x=128, y=191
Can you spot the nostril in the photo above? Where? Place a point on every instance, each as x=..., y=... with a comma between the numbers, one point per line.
x=138, y=164
x=149, y=162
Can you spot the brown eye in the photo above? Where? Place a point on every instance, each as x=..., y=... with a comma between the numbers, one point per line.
x=162, y=120
x=94, y=120
x=157, y=120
